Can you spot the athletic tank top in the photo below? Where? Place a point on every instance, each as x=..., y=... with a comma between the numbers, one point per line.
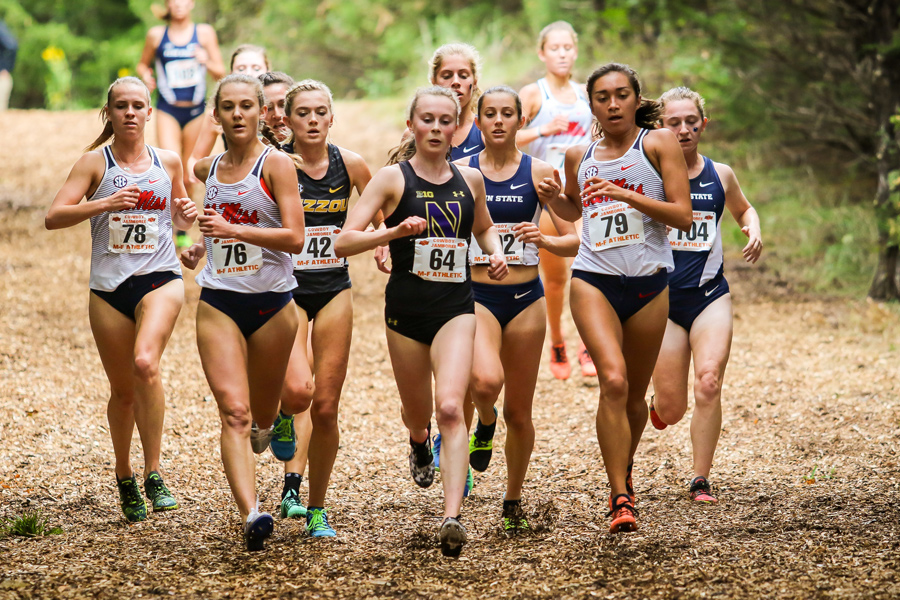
x=137, y=241
x=179, y=76
x=449, y=209
x=473, y=144
x=617, y=239
x=552, y=148
x=698, y=252
x=317, y=269
x=510, y=202
x=234, y=265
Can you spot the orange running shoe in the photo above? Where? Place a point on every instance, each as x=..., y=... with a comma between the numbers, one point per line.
x=587, y=364
x=559, y=362
x=700, y=490
x=623, y=513
x=654, y=418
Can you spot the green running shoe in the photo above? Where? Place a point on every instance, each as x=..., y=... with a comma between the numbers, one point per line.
x=481, y=445
x=131, y=500
x=291, y=507
x=158, y=493
x=470, y=483
x=317, y=523
x=183, y=239
x=514, y=521
x=284, y=438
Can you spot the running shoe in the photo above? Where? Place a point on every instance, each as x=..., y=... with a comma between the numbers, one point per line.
x=258, y=527
x=514, y=521
x=291, y=507
x=260, y=438
x=623, y=513
x=470, y=483
x=654, y=418
x=183, y=239
x=481, y=445
x=284, y=438
x=559, y=362
x=436, y=451
x=317, y=523
x=131, y=500
x=160, y=496
x=700, y=490
x=588, y=369
x=629, y=484
x=421, y=463
x=453, y=537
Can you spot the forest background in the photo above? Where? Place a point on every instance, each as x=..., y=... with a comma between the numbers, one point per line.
x=803, y=95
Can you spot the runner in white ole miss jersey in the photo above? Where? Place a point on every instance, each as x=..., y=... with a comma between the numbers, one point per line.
x=511, y=315
x=314, y=381
x=135, y=195
x=627, y=186
x=700, y=317
x=559, y=117
x=246, y=323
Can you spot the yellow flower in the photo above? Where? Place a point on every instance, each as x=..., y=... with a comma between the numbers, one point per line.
x=124, y=72
x=53, y=54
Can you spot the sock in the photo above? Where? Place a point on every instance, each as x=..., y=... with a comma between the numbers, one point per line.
x=509, y=506
x=309, y=509
x=292, y=481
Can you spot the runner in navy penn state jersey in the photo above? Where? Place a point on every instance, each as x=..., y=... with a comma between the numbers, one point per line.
x=432, y=209
x=246, y=323
x=135, y=194
x=314, y=381
x=511, y=315
x=627, y=186
x=700, y=316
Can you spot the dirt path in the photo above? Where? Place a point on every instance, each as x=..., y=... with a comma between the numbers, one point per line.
x=812, y=383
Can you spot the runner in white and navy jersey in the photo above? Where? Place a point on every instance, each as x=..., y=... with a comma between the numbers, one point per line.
x=511, y=314
x=314, y=381
x=700, y=316
x=627, y=186
x=246, y=323
x=559, y=117
x=135, y=194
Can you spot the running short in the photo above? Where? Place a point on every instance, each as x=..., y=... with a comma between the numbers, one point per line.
x=506, y=301
x=686, y=304
x=627, y=295
x=311, y=304
x=248, y=311
x=182, y=114
x=130, y=292
x=421, y=327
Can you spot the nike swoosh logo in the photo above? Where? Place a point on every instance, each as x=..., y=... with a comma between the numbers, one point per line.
x=708, y=183
x=470, y=149
x=647, y=295
x=712, y=290
x=152, y=181
x=267, y=311
x=331, y=191
x=156, y=285
x=517, y=296
x=242, y=193
x=629, y=166
x=515, y=187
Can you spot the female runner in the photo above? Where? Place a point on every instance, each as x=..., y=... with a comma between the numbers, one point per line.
x=700, y=317
x=246, y=322
x=559, y=117
x=182, y=52
x=511, y=316
x=135, y=195
x=328, y=176
x=627, y=186
x=433, y=207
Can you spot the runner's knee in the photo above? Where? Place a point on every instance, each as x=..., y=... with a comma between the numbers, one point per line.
x=297, y=396
x=485, y=388
x=235, y=416
x=707, y=389
x=146, y=368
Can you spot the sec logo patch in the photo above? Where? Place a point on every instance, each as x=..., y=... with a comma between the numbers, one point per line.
x=591, y=171
x=120, y=181
x=212, y=192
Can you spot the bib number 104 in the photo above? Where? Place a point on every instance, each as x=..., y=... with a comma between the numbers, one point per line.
x=701, y=235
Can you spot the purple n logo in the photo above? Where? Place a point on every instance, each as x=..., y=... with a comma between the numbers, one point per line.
x=443, y=221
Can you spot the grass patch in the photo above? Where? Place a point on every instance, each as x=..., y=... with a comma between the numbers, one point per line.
x=30, y=524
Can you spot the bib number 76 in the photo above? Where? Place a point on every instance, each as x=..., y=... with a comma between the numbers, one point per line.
x=234, y=258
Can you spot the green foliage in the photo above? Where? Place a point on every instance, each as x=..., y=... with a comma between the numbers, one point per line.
x=30, y=524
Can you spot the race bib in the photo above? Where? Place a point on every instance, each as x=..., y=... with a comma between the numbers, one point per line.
x=701, y=236
x=183, y=73
x=133, y=233
x=441, y=259
x=318, y=250
x=513, y=249
x=615, y=224
x=234, y=258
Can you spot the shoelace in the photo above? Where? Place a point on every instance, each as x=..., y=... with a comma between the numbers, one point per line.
x=701, y=485
x=482, y=443
x=319, y=521
x=559, y=354
x=283, y=428
x=132, y=493
x=622, y=506
x=157, y=487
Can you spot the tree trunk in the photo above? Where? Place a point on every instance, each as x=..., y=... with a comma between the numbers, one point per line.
x=884, y=284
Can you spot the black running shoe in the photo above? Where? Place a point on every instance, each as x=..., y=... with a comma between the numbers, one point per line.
x=453, y=537
x=481, y=445
x=131, y=500
x=421, y=463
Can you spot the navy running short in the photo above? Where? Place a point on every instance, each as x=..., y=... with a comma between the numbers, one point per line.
x=182, y=114
x=130, y=292
x=686, y=304
x=506, y=301
x=248, y=311
x=311, y=304
x=421, y=327
x=627, y=295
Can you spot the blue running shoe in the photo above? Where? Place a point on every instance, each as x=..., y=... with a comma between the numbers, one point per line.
x=284, y=438
x=436, y=450
x=317, y=523
x=258, y=527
